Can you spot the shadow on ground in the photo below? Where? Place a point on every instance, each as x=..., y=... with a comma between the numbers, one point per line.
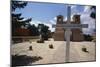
x=24, y=60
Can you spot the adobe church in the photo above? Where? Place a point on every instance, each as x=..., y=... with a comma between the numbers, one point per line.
x=76, y=34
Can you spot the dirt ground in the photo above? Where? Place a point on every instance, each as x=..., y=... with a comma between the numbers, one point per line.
x=57, y=54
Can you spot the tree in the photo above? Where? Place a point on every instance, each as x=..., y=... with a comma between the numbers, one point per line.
x=17, y=4
x=88, y=37
x=93, y=13
x=34, y=30
x=17, y=20
x=44, y=31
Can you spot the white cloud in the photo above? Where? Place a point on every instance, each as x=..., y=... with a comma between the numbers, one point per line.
x=55, y=18
x=52, y=22
x=74, y=9
x=87, y=9
x=65, y=19
x=50, y=27
x=49, y=23
x=73, y=6
x=35, y=22
x=86, y=19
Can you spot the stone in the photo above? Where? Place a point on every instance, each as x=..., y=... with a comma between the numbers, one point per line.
x=51, y=46
x=30, y=48
x=40, y=41
x=84, y=49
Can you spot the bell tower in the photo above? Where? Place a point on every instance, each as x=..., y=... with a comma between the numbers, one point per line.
x=59, y=32
x=76, y=33
x=59, y=19
x=76, y=19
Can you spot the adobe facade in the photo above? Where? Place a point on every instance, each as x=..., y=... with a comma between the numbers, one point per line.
x=76, y=34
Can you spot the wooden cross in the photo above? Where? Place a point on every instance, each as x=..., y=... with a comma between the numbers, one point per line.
x=67, y=28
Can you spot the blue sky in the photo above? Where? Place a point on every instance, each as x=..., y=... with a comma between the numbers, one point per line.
x=43, y=11
x=46, y=13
